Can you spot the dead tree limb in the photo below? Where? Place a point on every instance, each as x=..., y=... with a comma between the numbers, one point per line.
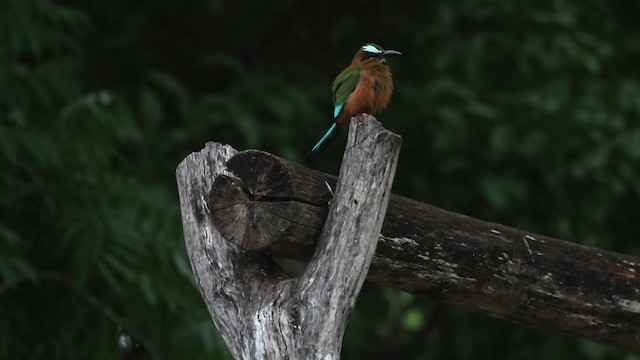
x=261, y=312
x=279, y=208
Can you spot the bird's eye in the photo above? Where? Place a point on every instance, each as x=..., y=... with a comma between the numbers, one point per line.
x=368, y=55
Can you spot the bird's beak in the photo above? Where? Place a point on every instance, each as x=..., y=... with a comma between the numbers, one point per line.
x=391, y=52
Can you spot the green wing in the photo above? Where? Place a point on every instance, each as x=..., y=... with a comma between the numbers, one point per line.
x=343, y=86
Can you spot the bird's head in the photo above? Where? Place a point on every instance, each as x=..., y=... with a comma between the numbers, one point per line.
x=373, y=52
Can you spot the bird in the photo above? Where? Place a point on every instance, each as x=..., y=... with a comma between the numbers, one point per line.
x=365, y=86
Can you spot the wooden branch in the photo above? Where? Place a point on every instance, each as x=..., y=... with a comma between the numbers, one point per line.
x=261, y=312
x=279, y=207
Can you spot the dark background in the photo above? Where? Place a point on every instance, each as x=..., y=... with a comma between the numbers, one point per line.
x=524, y=113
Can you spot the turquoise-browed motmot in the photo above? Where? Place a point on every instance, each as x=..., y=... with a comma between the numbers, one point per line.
x=365, y=86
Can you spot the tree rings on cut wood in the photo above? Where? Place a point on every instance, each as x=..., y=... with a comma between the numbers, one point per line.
x=260, y=207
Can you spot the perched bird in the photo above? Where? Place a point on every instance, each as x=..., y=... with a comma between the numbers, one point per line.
x=365, y=86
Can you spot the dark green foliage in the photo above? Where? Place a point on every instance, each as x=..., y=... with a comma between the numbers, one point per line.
x=525, y=113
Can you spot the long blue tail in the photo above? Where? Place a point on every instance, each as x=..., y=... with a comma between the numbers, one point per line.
x=325, y=141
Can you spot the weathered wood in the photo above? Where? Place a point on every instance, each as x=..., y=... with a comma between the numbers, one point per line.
x=260, y=311
x=279, y=207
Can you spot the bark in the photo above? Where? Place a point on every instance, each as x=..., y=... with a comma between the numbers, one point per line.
x=260, y=311
x=278, y=207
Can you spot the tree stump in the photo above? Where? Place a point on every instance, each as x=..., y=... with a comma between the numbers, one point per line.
x=260, y=311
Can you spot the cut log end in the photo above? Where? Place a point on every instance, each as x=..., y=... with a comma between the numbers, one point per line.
x=259, y=208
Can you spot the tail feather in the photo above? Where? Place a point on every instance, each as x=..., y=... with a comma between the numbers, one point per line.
x=325, y=141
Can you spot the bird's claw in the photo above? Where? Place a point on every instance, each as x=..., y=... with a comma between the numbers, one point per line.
x=330, y=192
x=329, y=188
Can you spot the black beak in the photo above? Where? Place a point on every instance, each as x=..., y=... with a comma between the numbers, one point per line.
x=391, y=52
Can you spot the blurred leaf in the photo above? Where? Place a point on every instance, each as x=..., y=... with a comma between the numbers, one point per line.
x=413, y=319
x=151, y=108
x=147, y=290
